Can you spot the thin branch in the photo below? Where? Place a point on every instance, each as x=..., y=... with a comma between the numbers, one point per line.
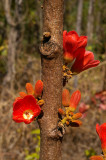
x=9, y=18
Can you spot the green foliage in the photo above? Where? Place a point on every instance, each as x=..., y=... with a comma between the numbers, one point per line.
x=90, y=152
x=36, y=131
x=35, y=155
x=70, y=15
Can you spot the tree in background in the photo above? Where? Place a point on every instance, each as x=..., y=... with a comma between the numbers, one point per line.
x=90, y=21
x=14, y=40
x=79, y=16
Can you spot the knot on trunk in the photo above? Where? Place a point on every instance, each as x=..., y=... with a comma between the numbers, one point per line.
x=49, y=48
x=57, y=133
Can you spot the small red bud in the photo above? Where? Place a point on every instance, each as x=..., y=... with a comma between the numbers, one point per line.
x=77, y=115
x=38, y=88
x=75, y=98
x=22, y=94
x=29, y=88
x=67, y=123
x=61, y=111
x=65, y=98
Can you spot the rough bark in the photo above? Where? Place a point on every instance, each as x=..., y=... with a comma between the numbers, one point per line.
x=90, y=21
x=79, y=16
x=52, y=60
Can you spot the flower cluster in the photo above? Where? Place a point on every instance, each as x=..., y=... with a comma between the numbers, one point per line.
x=27, y=107
x=101, y=130
x=74, y=49
x=70, y=104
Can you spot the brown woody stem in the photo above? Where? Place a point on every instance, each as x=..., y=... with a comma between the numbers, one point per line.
x=52, y=61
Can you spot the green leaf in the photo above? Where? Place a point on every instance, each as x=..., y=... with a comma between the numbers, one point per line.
x=36, y=131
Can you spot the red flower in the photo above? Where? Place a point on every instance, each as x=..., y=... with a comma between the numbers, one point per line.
x=101, y=130
x=74, y=100
x=73, y=45
x=96, y=158
x=25, y=109
x=83, y=62
x=83, y=107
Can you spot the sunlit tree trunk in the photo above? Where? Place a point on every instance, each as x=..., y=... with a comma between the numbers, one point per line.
x=14, y=39
x=12, y=49
x=98, y=21
x=90, y=21
x=79, y=16
x=52, y=60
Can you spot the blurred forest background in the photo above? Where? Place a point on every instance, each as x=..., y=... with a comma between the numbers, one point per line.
x=20, y=37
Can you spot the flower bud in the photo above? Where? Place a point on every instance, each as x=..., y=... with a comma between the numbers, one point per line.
x=77, y=115
x=61, y=111
x=38, y=88
x=22, y=94
x=65, y=98
x=74, y=100
x=29, y=88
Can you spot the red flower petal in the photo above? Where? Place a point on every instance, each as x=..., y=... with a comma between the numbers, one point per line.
x=73, y=45
x=82, y=42
x=93, y=63
x=96, y=158
x=84, y=61
x=16, y=100
x=101, y=130
x=74, y=34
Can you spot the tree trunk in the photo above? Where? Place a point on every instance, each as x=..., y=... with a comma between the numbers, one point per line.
x=98, y=21
x=52, y=60
x=14, y=39
x=90, y=21
x=79, y=16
